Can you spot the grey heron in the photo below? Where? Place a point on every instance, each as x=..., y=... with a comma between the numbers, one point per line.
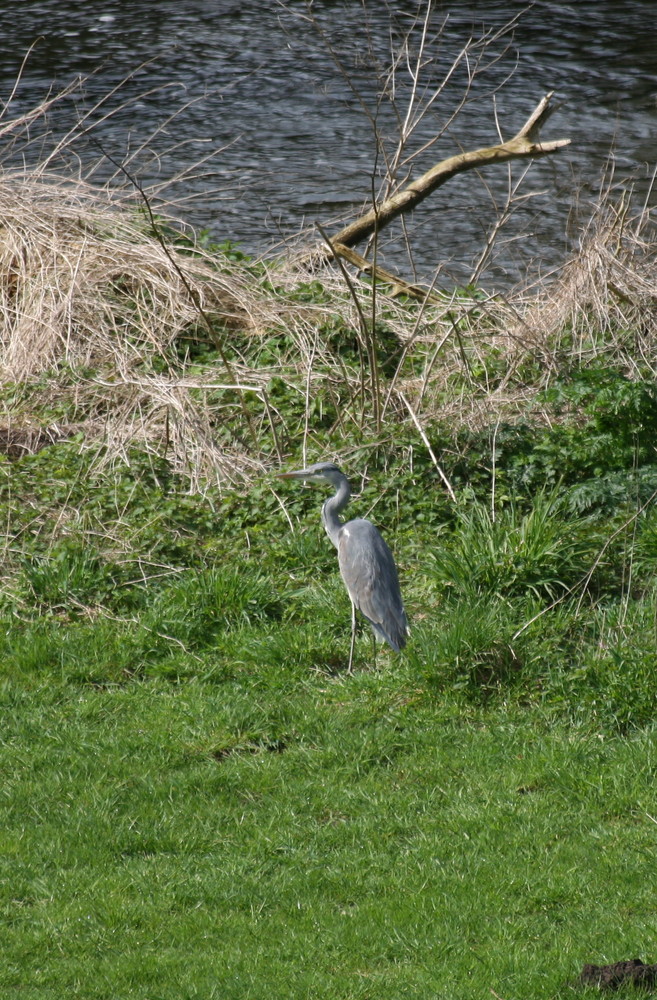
x=366, y=563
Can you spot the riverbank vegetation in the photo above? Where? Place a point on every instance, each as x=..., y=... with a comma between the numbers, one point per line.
x=197, y=801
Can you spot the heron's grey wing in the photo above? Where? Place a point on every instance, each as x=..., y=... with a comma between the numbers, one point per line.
x=370, y=575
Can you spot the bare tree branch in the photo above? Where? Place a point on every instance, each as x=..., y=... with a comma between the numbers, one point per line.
x=524, y=144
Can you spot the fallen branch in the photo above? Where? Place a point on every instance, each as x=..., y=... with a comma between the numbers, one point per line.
x=399, y=285
x=524, y=144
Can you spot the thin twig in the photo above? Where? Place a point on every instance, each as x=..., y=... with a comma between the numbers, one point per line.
x=494, y=464
x=354, y=296
x=427, y=444
x=283, y=508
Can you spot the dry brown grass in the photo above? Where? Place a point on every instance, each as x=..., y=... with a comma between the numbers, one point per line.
x=92, y=306
x=86, y=287
x=603, y=304
x=83, y=282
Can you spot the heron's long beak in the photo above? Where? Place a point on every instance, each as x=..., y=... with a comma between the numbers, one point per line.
x=298, y=474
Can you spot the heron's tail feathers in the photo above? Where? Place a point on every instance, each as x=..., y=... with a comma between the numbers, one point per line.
x=395, y=633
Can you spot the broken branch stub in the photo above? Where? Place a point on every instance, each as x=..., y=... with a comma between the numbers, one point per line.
x=525, y=143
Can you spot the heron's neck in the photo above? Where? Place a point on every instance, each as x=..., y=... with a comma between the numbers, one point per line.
x=333, y=507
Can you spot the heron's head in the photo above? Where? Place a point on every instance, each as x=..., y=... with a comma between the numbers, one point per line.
x=320, y=472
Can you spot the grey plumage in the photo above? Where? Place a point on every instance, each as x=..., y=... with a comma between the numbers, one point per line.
x=366, y=563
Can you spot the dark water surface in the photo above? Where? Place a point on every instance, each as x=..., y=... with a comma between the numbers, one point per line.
x=290, y=140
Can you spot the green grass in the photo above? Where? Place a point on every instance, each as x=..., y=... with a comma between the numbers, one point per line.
x=197, y=802
x=291, y=834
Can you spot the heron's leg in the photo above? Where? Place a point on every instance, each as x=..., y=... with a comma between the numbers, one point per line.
x=373, y=649
x=353, y=637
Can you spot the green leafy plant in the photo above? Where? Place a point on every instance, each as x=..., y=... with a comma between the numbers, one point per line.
x=603, y=423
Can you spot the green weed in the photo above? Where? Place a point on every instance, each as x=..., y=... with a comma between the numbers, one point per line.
x=511, y=552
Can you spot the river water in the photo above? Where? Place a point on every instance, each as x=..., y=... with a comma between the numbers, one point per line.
x=287, y=111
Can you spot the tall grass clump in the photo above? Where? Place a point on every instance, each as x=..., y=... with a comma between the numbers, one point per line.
x=510, y=552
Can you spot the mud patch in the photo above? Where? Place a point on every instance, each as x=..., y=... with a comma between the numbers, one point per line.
x=611, y=977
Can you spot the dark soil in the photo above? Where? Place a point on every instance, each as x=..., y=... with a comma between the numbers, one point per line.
x=610, y=977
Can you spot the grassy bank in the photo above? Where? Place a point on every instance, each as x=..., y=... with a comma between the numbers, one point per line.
x=309, y=836
x=197, y=800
